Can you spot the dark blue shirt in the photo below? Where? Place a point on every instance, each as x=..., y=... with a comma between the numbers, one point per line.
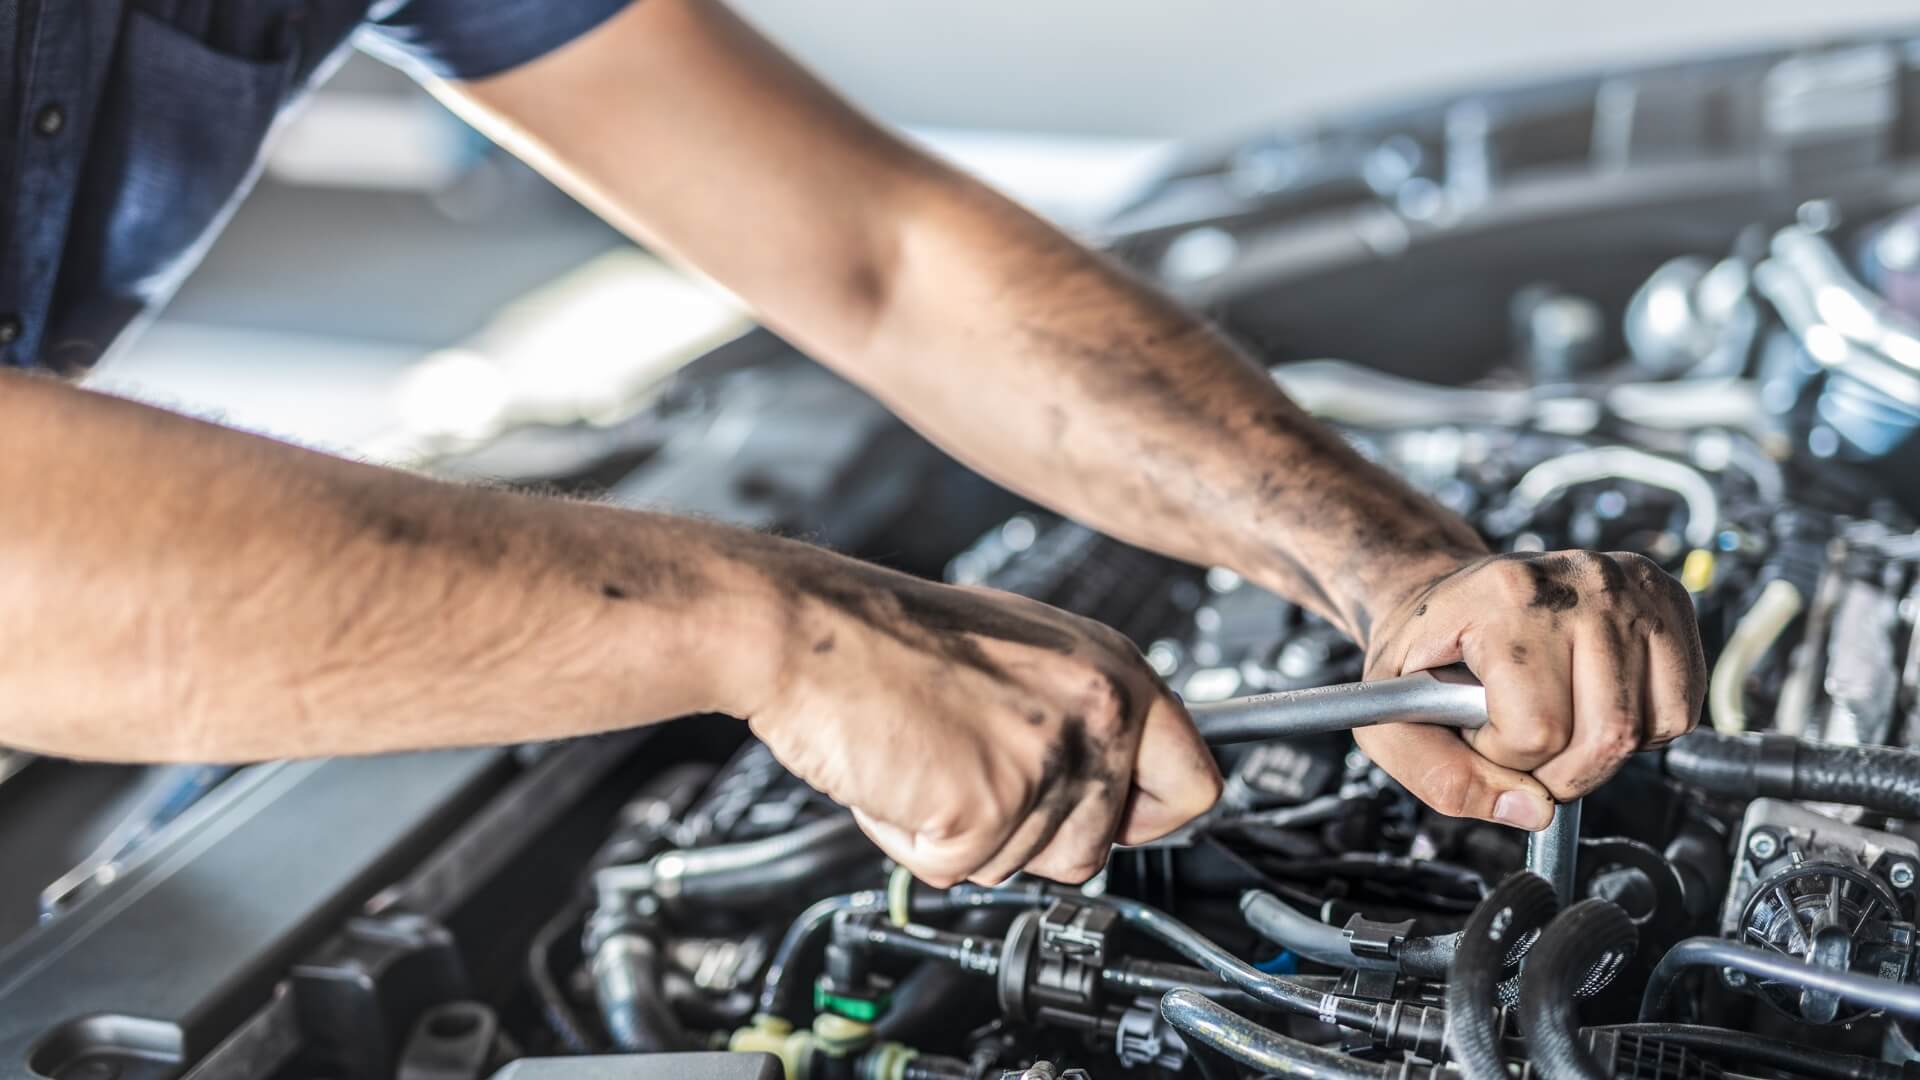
x=137, y=125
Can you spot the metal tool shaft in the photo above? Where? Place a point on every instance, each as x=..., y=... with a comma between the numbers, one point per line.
x=1554, y=851
x=1449, y=697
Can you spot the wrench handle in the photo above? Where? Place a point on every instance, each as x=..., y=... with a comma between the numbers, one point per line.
x=1448, y=697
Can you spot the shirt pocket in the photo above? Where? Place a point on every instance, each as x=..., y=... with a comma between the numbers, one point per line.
x=176, y=143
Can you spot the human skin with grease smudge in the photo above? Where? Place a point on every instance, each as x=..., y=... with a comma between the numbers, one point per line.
x=1587, y=657
x=1048, y=724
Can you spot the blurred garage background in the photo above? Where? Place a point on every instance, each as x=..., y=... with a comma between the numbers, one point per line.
x=396, y=284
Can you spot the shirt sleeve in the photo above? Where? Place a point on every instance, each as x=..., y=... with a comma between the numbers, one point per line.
x=472, y=39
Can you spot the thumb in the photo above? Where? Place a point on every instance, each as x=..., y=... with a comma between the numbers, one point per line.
x=1441, y=770
x=1174, y=779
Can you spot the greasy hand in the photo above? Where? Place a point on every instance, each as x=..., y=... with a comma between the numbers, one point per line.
x=976, y=733
x=1586, y=658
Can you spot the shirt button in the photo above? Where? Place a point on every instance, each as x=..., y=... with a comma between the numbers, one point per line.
x=9, y=329
x=50, y=121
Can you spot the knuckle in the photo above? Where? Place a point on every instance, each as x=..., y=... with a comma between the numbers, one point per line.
x=1666, y=586
x=1538, y=739
x=936, y=878
x=947, y=825
x=1206, y=794
x=1513, y=583
x=1080, y=870
x=1016, y=793
x=1107, y=702
x=1619, y=742
x=1638, y=566
x=1674, y=723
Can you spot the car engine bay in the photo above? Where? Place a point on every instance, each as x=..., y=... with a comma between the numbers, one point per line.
x=1690, y=330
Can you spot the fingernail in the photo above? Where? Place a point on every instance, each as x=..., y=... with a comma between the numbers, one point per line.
x=1522, y=810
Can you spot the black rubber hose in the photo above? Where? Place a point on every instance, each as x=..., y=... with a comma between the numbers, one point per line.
x=1259, y=1047
x=1900, y=999
x=1516, y=907
x=777, y=990
x=554, y=1006
x=930, y=1002
x=1429, y=957
x=974, y=956
x=1591, y=940
x=626, y=981
x=768, y=872
x=1774, y=1053
x=929, y=1067
x=1281, y=993
x=1884, y=779
x=1305, y=936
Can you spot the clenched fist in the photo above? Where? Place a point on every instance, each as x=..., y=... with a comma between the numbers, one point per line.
x=973, y=733
x=1586, y=657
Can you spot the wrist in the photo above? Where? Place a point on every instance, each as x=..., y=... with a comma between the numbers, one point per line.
x=1400, y=579
x=777, y=610
x=1366, y=591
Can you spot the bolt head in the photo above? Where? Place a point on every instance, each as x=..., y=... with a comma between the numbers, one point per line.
x=1901, y=875
x=1762, y=845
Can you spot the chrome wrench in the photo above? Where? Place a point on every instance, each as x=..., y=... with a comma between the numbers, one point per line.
x=1449, y=697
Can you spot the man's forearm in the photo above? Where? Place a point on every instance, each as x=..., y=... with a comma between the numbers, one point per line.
x=171, y=590
x=1061, y=375
x=1012, y=346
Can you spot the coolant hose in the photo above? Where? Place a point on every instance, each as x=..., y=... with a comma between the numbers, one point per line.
x=626, y=981
x=1883, y=779
x=1303, y=935
x=1494, y=934
x=1259, y=1047
x=1901, y=999
x=1779, y=604
x=1590, y=941
x=1183, y=939
x=762, y=872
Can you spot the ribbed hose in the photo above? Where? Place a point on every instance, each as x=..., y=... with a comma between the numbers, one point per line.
x=1883, y=779
x=1774, y=1053
x=1592, y=939
x=1514, y=909
x=1259, y=1047
x=1900, y=999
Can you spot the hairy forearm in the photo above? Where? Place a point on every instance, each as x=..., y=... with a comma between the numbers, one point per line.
x=1062, y=375
x=1034, y=360
x=171, y=590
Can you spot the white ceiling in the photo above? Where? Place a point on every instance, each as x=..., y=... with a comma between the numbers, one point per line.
x=1217, y=66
